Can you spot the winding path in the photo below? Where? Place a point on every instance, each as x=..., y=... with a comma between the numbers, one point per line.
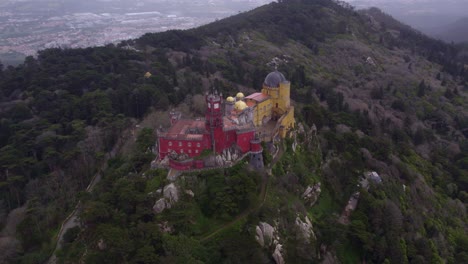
x=72, y=220
x=263, y=192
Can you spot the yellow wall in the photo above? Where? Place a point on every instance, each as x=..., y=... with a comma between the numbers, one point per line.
x=280, y=97
x=288, y=122
x=262, y=109
x=280, y=103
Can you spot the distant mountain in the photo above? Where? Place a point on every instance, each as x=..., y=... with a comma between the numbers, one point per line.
x=456, y=31
x=429, y=16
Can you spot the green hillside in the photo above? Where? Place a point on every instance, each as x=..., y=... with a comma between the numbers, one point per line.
x=381, y=96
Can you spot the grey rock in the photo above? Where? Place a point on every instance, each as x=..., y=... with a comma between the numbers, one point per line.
x=219, y=160
x=305, y=228
x=278, y=255
x=159, y=206
x=312, y=194
x=190, y=193
x=171, y=194
x=264, y=234
x=159, y=191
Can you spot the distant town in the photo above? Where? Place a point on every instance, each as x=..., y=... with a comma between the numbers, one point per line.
x=28, y=26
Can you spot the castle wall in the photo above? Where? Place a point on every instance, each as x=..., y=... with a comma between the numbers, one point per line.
x=287, y=122
x=243, y=140
x=284, y=96
x=280, y=97
x=192, y=148
x=262, y=112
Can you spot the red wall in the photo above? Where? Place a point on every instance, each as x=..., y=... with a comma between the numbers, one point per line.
x=189, y=147
x=181, y=165
x=243, y=140
x=255, y=145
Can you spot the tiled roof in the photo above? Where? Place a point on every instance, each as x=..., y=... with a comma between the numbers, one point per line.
x=186, y=129
x=259, y=97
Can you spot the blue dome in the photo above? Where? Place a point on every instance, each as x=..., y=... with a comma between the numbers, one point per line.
x=274, y=79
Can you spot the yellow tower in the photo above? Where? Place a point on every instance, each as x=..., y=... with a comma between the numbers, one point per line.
x=279, y=90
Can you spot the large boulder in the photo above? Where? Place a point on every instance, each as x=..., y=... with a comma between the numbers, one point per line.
x=264, y=234
x=170, y=197
x=312, y=193
x=171, y=194
x=159, y=206
x=219, y=160
x=305, y=229
x=278, y=254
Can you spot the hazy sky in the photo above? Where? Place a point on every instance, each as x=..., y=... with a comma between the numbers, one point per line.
x=426, y=15
x=418, y=6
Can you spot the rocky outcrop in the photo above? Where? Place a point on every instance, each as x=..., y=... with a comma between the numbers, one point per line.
x=159, y=206
x=190, y=193
x=312, y=194
x=170, y=197
x=101, y=244
x=171, y=194
x=164, y=227
x=305, y=229
x=264, y=234
x=227, y=157
x=278, y=254
x=267, y=236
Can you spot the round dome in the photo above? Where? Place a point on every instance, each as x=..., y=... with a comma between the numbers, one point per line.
x=240, y=95
x=230, y=99
x=240, y=105
x=274, y=79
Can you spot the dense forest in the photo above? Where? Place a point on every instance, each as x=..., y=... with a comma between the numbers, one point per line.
x=371, y=94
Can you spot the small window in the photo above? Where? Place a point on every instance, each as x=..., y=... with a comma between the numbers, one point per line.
x=170, y=144
x=198, y=145
x=196, y=151
x=190, y=151
x=182, y=151
x=180, y=143
x=216, y=106
x=189, y=144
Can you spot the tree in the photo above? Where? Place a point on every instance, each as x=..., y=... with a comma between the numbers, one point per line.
x=116, y=241
x=146, y=255
x=448, y=93
x=421, y=89
x=145, y=140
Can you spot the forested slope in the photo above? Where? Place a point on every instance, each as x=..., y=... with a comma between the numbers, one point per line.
x=382, y=96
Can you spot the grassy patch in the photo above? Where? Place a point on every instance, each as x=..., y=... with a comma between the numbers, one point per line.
x=156, y=181
x=325, y=206
x=348, y=253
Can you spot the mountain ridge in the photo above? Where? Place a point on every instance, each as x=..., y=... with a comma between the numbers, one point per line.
x=454, y=32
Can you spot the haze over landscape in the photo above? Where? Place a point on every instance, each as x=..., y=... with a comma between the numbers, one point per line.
x=27, y=26
x=441, y=19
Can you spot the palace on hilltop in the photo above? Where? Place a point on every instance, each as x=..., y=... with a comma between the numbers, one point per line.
x=232, y=128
